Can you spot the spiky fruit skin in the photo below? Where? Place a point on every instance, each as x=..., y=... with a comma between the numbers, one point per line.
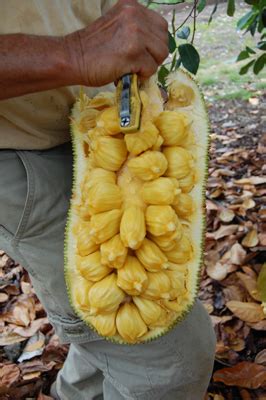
x=147, y=244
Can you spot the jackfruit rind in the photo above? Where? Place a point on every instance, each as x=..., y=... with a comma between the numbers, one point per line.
x=85, y=161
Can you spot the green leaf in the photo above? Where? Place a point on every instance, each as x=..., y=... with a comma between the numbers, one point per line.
x=242, y=55
x=183, y=33
x=231, y=7
x=213, y=11
x=250, y=51
x=246, y=20
x=173, y=62
x=261, y=283
x=262, y=45
x=252, y=2
x=246, y=67
x=178, y=63
x=201, y=5
x=189, y=57
x=171, y=43
x=259, y=64
x=162, y=75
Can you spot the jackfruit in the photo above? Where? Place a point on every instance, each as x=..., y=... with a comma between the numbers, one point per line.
x=135, y=229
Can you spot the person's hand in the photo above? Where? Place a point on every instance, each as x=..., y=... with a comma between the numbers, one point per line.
x=128, y=39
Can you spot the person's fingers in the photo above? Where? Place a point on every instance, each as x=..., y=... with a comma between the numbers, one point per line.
x=157, y=48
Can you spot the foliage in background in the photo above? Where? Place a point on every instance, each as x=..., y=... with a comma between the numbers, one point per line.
x=181, y=37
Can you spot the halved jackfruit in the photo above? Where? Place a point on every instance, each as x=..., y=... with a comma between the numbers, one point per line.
x=134, y=238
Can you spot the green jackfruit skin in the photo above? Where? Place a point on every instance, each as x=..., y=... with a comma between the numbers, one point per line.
x=67, y=243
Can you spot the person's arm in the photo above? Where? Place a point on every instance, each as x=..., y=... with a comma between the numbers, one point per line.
x=129, y=38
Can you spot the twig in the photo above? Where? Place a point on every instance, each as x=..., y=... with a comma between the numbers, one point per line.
x=185, y=20
x=194, y=20
x=165, y=4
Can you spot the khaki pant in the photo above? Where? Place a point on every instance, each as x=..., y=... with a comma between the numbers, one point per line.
x=35, y=188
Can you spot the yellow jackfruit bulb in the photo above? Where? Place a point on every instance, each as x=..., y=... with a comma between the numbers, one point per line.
x=183, y=205
x=149, y=165
x=94, y=176
x=104, y=324
x=113, y=252
x=165, y=319
x=87, y=120
x=142, y=140
x=161, y=220
x=159, y=286
x=179, y=95
x=180, y=162
x=149, y=310
x=178, y=284
x=85, y=244
x=102, y=100
x=187, y=183
x=168, y=241
x=132, y=227
x=90, y=267
x=108, y=120
x=105, y=296
x=172, y=127
x=103, y=197
x=80, y=292
x=108, y=152
x=158, y=144
x=105, y=225
x=151, y=256
x=132, y=277
x=129, y=323
x=182, y=252
x=94, y=134
x=160, y=191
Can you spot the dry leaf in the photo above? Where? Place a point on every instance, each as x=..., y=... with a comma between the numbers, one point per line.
x=249, y=312
x=262, y=239
x=8, y=338
x=261, y=283
x=210, y=205
x=3, y=297
x=251, y=239
x=254, y=101
x=244, y=374
x=218, y=271
x=208, y=307
x=32, y=375
x=261, y=357
x=226, y=215
x=250, y=284
x=224, y=230
x=32, y=328
x=33, y=348
x=248, y=204
x=9, y=374
x=238, y=254
x=253, y=180
x=233, y=292
x=218, y=397
x=258, y=326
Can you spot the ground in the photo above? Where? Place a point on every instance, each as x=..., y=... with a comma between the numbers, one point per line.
x=31, y=355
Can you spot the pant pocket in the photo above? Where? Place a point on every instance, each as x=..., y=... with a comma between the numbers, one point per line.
x=14, y=193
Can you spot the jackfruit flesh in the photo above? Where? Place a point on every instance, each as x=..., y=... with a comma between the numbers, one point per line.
x=135, y=230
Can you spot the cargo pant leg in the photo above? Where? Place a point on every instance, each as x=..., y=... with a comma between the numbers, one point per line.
x=35, y=188
x=177, y=366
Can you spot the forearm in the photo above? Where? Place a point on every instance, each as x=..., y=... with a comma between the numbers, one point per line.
x=31, y=64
